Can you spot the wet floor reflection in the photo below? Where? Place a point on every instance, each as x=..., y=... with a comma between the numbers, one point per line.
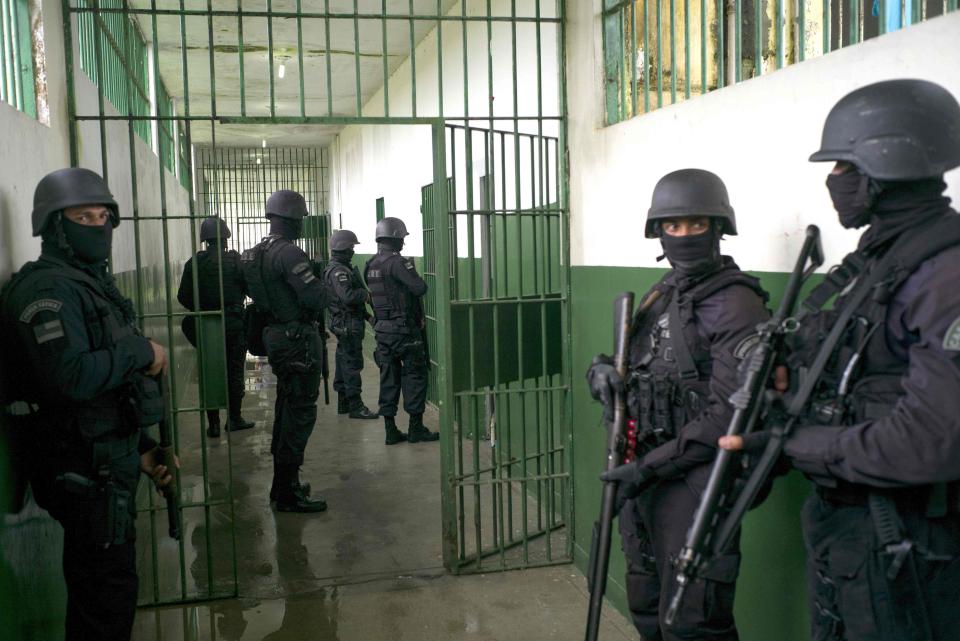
x=367, y=569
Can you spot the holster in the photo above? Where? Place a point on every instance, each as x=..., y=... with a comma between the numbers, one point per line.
x=104, y=507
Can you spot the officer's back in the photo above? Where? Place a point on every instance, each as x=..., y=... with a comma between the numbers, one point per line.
x=214, y=265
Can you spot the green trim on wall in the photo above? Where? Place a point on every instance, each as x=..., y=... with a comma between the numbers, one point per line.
x=771, y=597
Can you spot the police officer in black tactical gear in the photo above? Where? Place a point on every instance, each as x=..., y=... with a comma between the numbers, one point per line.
x=882, y=440
x=83, y=390
x=281, y=282
x=396, y=290
x=686, y=343
x=212, y=263
x=348, y=316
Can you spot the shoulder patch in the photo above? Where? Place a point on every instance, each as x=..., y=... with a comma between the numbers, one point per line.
x=48, y=331
x=951, y=340
x=37, y=306
x=343, y=277
x=745, y=346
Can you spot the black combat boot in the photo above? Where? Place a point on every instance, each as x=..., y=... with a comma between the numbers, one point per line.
x=213, y=423
x=394, y=435
x=289, y=497
x=343, y=404
x=359, y=410
x=237, y=423
x=304, y=488
x=417, y=433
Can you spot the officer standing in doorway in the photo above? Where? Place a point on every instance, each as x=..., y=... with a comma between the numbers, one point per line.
x=211, y=263
x=396, y=290
x=348, y=316
x=882, y=445
x=85, y=388
x=686, y=342
x=282, y=284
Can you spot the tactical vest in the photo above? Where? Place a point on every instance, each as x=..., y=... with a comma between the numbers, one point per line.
x=208, y=278
x=391, y=303
x=670, y=364
x=862, y=379
x=267, y=286
x=111, y=415
x=339, y=310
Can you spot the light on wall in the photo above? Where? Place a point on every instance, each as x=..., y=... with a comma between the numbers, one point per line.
x=263, y=143
x=281, y=71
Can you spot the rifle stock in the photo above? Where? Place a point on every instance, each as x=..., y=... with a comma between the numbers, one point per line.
x=170, y=492
x=715, y=522
x=603, y=528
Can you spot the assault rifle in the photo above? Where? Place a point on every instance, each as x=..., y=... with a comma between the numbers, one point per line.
x=726, y=498
x=616, y=442
x=168, y=456
x=319, y=266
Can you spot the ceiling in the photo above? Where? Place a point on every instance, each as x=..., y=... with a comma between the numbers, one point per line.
x=317, y=53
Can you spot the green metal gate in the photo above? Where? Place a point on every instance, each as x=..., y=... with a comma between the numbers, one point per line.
x=505, y=435
x=235, y=182
x=173, y=95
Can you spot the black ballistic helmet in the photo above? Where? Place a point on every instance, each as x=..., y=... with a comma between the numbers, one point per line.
x=690, y=192
x=343, y=240
x=391, y=227
x=286, y=203
x=894, y=130
x=208, y=229
x=70, y=187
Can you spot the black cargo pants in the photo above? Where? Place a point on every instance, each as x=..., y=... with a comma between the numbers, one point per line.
x=402, y=359
x=851, y=598
x=294, y=353
x=653, y=528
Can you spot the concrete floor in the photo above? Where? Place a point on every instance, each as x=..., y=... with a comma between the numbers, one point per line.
x=367, y=569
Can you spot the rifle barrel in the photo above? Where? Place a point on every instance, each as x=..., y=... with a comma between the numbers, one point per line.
x=623, y=314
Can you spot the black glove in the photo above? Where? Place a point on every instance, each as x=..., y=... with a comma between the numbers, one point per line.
x=631, y=479
x=604, y=382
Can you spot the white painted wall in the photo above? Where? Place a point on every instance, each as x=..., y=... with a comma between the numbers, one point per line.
x=394, y=162
x=756, y=135
x=30, y=150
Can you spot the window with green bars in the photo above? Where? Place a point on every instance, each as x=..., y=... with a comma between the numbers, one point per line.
x=660, y=52
x=113, y=54
x=172, y=143
x=17, y=76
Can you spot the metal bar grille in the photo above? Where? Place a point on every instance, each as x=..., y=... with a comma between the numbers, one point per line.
x=198, y=81
x=16, y=57
x=736, y=40
x=509, y=469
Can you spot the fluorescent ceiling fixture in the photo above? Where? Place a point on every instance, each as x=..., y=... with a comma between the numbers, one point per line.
x=281, y=71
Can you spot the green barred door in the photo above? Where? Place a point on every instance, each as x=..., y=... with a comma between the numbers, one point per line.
x=504, y=401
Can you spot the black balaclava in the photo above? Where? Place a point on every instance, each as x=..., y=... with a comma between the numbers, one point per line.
x=213, y=245
x=89, y=251
x=86, y=244
x=854, y=195
x=903, y=205
x=393, y=244
x=344, y=256
x=289, y=228
x=693, y=254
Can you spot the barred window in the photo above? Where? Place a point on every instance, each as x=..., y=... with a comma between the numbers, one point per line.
x=113, y=54
x=22, y=65
x=171, y=142
x=660, y=52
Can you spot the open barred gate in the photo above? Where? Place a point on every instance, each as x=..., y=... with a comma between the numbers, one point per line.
x=167, y=100
x=505, y=432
